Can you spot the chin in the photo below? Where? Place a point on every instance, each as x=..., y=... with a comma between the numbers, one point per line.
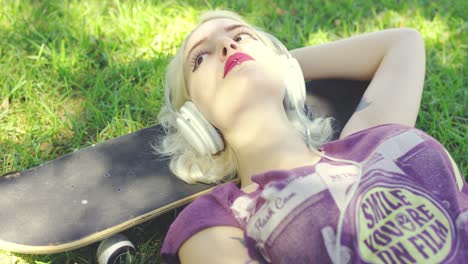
x=246, y=89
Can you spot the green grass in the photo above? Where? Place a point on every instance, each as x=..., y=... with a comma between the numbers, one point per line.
x=75, y=73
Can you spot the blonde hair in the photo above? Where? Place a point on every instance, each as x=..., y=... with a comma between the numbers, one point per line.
x=185, y=162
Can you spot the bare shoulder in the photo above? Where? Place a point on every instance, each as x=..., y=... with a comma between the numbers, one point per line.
x=214, y=244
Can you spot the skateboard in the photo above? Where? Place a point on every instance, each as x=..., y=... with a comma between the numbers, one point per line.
x=95, y=193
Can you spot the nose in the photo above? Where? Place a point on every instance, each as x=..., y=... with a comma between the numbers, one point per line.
x=227, y=47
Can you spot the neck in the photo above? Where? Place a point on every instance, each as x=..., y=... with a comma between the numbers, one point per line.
x=263, y=139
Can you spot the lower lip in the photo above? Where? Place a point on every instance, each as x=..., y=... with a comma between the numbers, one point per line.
x=236, y=64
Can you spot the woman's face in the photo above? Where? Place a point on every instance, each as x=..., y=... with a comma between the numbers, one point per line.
x=229, y=70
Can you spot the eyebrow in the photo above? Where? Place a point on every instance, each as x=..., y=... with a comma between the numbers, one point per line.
x=226, y=29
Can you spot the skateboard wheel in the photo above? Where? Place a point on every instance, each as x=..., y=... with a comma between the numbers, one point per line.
x=115, y=249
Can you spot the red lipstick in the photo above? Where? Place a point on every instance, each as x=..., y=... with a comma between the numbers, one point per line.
x=235, y=59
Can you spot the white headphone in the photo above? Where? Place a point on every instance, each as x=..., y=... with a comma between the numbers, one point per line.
x=204, y=138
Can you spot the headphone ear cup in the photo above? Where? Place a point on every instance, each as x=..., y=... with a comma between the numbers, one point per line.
x=295, y=86
x=198, y=131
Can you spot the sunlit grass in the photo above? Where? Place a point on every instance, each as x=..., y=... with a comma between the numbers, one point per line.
x=75, y=73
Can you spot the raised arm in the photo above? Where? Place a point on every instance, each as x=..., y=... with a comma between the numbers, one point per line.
x=395, y=61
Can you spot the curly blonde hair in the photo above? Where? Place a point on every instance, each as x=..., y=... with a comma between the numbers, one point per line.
x=185, y=162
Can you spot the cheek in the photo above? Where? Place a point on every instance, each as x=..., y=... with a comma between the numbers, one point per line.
x=203, y=91
x=271, y=62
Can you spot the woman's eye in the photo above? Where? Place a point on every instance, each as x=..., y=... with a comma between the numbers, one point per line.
x=241, y=36
x=198, y=60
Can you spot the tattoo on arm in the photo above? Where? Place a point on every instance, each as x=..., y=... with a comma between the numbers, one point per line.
x=239, y=239
x=363, y=104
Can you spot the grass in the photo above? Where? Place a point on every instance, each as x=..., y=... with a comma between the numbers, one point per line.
x=76, y=73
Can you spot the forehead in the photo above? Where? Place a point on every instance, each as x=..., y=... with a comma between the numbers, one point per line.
x=208, y=28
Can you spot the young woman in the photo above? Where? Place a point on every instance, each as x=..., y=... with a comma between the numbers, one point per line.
x=384, y=192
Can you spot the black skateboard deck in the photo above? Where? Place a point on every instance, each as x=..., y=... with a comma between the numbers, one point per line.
x=96, y=192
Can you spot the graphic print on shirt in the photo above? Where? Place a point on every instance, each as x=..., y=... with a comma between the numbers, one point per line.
x=338, y=179
x=279, y=205
x=397, y=222
x=286, y=200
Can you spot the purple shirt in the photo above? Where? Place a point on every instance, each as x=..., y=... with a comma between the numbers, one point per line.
x=411, y=205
